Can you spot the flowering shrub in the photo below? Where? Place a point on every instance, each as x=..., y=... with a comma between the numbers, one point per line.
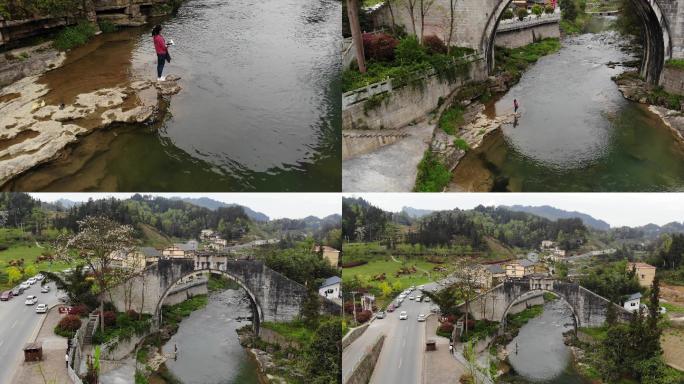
x=68, y=326
x=79, y=310
x=363, y=316
x=379, y=47
x=445, y=329
x=109, y=318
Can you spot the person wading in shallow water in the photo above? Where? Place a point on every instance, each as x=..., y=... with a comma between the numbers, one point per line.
x=515, y=105
x=161, y=47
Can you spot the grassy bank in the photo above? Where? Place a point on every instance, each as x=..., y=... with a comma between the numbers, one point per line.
x=514, y=62
x=433, y=175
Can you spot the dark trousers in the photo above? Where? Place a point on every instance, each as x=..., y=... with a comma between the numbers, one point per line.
x=161, y=60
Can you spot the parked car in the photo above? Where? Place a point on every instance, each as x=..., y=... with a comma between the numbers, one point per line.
x=41, y=308
x=421, y=317
x=31, y=280
x=45, y=289
x=380, y=315
x=412, y=297
x=39, y=277
x=427, y=299
x=391, y=308
x=31, y=300
x=403, y=315
x=24, y=285
x=419, y=298
x=6, y=295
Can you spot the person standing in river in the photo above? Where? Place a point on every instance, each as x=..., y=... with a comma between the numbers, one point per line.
x=161, y=47
x=515, y=105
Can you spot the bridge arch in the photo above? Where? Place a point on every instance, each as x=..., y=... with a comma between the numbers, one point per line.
x=532, y=293
x=257, y=311
x=657, y=37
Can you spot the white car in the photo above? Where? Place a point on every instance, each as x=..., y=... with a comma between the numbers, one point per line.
x=403, y=315
x=31, y=280
x=421, y=317
x=31, y=300
x=39, y=277
x=412, y=297
x=25, y=285
x=426, y=299
x=421, y=286
x=45, y=289
x=41, y=308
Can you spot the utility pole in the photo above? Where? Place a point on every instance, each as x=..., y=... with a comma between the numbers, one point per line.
x=354, y=305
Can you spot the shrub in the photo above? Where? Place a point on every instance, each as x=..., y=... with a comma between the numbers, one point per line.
x=434, y=44
x=433, y=175
x=354, y=263
x=363, y=316
x=109, y=318
x=379, y=46
x=537, y=10
x=521, y=13
x=409, y=51
x=549, y=9
x=3, y=247
x=508, y=14
x=461, y=144
x=107, y=26
x=68, y=326
x=74, y=36
x=445, y=329
x=133, y=315
x=79, y=310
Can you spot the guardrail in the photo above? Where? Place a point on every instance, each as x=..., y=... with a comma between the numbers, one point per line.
x=360, y=94
x=530, y=21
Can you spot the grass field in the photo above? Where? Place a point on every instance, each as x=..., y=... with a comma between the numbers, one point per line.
x=29, y=253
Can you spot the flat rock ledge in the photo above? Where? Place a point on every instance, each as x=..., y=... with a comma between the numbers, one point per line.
x=32, y=133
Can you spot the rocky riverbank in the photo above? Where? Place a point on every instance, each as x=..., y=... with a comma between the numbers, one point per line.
x=659, y=102
x=36, y=126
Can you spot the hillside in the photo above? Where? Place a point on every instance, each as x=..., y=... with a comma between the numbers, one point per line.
x=416, y=213
x=152, y=237
x=552, y=213
x=212, y=204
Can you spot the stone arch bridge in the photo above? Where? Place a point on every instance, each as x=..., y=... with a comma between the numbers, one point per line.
x=273, y=296
x=475, y=23
x=588, y=308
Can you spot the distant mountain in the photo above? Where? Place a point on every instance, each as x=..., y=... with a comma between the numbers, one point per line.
x=552, y=213
x=215, y=204
x=415, y=212
x=66, y=203
x=653, y=230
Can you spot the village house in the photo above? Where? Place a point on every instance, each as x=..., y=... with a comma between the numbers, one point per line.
x=135, y=258
x=547, y=244
x=180, y=251
x=493, y=275
x=632, y=302
x=212, y=260
x=329, y=253
x=644, y=273
x=330, y=289
x=520, y=268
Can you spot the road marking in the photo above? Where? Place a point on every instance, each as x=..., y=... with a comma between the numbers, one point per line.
x=2, y=342
x=13, y=324
x=400, y=359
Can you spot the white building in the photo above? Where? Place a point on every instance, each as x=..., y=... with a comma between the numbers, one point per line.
x=546, y=244
x=330, y=289
x=632, y=302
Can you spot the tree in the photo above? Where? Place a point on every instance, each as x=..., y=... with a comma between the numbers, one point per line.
x=391, y=11
x=77, y=284
x=425, y=6
x=353, y=15
x=13, y=275
x=469, y=279
x=324, y=354
x=97, y=243
x=446, y=299
x=452, y=12
x=568, y=9
x=310, y=308
x=611, y=314
x=411, y=7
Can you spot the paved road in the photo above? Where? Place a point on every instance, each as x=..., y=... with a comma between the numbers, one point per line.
x=18, y=323
x=401, y=359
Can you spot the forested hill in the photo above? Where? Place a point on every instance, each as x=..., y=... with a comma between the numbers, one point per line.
x=552, y=213
x=173, y=218
x=362, y=221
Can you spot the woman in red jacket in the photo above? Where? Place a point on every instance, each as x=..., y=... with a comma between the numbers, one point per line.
x=161, y=47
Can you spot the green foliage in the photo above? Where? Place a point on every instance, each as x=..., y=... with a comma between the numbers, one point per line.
x=375, y=101
x=481, y=330
x=461, y=144
x=515, y=61
x=310, y=311
x=323, y=362
x=124, y=328
x=569, y=9
x=537, y=10
x=612, y=281
x=628, y=21
x=521, y=318
x=410, y=51
x=173, y=314
x=675, y=63
x=300, y=264
x=107, y=26
x=548, y=9
x=296, y=330
x=433, y=176
x=220, y=283
x=452, y=119
x=140, y=377
x=521, y=13
x=74, y=36
x=507, y=14
x=77, y=285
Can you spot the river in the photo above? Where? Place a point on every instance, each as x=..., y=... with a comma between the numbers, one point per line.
x=542, y=356
x=259, y=108
x=575, y=132
x=209, y=351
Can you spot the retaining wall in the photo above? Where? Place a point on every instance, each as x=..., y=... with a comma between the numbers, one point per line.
x=516, y=38
x=354, y=334
x=364, y=370
x=672, y=80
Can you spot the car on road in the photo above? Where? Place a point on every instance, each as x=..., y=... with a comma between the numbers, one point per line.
x=421, y=317
x=403, y=315
x=31, y=300
x=5, y=296
x=427, y=299
x=31, y=280
x=391, y=308
x=421, y=286
x=412, y=297
x=45, y=289
x=434, y=289
x=434, y=309
x=24, y=285
x=380, y=315
x=41, y=308
x=39, y=277
x=419, y=298
x=17, y=291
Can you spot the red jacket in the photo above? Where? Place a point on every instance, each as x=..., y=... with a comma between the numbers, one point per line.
x=159, y=45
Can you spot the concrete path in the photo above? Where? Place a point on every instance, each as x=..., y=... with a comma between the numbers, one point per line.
x=440, y=365
x=52, y=369
x=392, y=168
x=123, y=374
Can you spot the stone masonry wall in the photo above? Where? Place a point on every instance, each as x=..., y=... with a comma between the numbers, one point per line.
x=406, y=104
x=363, y=371
x=673, y=80
x=521, y=37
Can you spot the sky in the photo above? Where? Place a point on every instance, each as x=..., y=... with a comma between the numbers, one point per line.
x=617, y=209
x=274, y=205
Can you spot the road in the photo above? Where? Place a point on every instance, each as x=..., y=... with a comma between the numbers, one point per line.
x=401, y=358
x=18, y=323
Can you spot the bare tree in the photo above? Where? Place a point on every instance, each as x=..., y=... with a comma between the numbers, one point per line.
x=97, y=245
x=391, y=11
x=355, y=26
x=411, y=6
x=452, y=11
x=425, y=6
x=468, y=280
